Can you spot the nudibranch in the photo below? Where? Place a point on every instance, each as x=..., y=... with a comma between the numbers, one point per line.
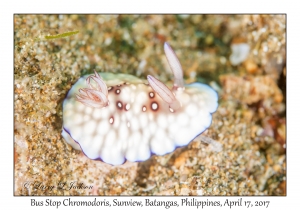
x=119, y=117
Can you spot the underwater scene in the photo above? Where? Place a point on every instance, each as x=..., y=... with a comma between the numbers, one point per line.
x=184, y=104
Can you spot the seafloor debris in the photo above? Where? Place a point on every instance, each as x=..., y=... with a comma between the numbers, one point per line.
x=239, y=54
x=250, y=89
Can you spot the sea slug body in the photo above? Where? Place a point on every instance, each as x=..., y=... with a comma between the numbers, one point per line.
x=119, y=117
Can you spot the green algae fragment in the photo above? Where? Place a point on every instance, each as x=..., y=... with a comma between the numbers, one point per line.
x=57, y=36
x=70, y=33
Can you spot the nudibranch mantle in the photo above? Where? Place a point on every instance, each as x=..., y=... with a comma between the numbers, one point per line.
x=139, y=119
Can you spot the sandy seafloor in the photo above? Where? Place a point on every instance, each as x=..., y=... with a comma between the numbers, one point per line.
x=250, y=121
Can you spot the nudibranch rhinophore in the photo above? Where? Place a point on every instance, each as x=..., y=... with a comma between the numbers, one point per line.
x=119, y=117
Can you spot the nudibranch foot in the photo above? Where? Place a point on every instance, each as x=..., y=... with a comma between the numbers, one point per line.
x=119, y=117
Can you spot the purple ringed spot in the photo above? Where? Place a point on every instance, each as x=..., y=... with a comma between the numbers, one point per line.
x=151, y=95
x=154, y=106
x=117, y=121
x=118, y=91
x=144, y=108
x=119, y=105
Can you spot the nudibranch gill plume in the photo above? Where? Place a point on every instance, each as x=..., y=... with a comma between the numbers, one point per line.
x=119, y=117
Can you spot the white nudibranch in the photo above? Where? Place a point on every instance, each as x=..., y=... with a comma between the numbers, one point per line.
x=119, y=117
